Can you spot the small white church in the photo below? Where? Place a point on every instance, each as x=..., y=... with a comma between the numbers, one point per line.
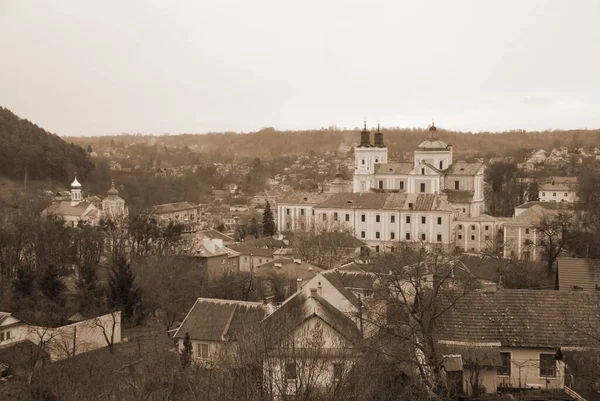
x=73, y=208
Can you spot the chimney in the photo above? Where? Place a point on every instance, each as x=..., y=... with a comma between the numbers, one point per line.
x=277, y=265
x=489, y=288
x=297, y=261
x=298, y=284
x=309, y=268
x=313, y=292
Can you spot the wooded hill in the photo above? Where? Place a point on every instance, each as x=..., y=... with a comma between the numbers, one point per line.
x=270, y=143
x=28, y=149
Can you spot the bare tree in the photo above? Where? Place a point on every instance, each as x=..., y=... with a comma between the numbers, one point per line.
x=553, y=232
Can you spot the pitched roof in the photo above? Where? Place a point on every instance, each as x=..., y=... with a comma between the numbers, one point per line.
x=576, y=272
x=386, y=201
x=556, y=187
x=221, y=320
x=291, y=268
x=366, y=200
x=334, y=239
x=334, y=279
x=459, y=195
x=529, y=217
x=301, y=307
x=304, y=197
x=393, y=168
x=65, y=208
x=172, y=207
x=244, y=249
x=357, y=279
x=214, y=234
x=520, y=318
x=463, y=168
x=550, y=205
x=269, y=242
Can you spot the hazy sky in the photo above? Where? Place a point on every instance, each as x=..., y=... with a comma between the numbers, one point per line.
x=78, y=67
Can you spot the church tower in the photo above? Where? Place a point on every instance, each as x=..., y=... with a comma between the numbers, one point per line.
x=366, y=158
x=75, y=192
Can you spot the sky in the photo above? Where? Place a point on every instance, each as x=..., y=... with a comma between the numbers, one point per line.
x=81, y=68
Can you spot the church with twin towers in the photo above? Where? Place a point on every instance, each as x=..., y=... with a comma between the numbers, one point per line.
x=433, y=199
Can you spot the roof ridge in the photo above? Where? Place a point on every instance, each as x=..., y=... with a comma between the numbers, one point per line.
x=229, y=301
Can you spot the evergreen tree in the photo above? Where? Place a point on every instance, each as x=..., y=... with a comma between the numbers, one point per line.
x=186, y=353
x=123, y=294
x=50, y=283
x=268, y=224
x=89, y=295
x=23, y=284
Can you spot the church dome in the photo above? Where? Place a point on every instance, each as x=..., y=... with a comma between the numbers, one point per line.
x=75, y=183
x=433, y=144
x=112, y=191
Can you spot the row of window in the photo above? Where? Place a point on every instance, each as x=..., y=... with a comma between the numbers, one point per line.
x=460, y=227
x=487, y=237
x=547, y=365
x=554, y=194
x=363, y=234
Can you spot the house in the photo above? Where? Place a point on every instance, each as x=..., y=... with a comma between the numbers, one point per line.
x=215, y=325
x=310, y=347
x=64, y=341
x=559, y=189
x=251, y=257
x=282, y=277
x=578, y=274
x=184, y=213
x=520, y=236
x=215, y=258
x=523, y=332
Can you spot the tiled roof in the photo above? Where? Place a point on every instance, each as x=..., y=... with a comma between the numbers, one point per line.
x=65, y=208
x=550, y=205
x=366, y=200
x=484, y=218
x=463, y=168
x=338, y=240
x=386, y=201
x=429, y=202
x=521, y=318
x=214, y=234
x=301, y=307
x=334, y=280
x=250, y=250
x=393, y=168
x=221, y=320
x=529, y=217
x=172, y=207
x=304, y=197
x=289, y=268
x=357, y=280
x=584, y=273
x=459, y=196
x=269, y=242
x=556, y=187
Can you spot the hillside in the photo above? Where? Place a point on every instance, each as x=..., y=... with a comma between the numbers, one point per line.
x=25, y=147
x=270, y=143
